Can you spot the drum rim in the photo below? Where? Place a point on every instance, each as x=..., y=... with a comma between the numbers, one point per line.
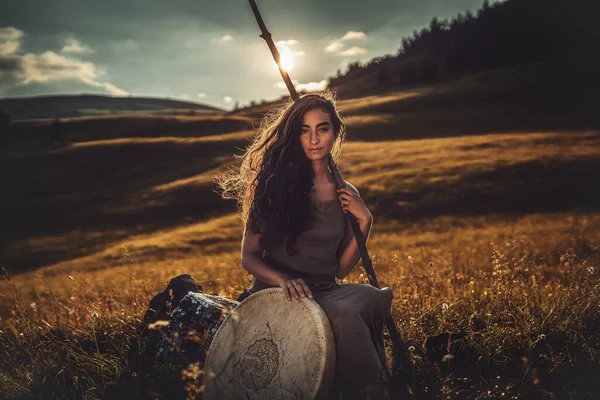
x=324, y=329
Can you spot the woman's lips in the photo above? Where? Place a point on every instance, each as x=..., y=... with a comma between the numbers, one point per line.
x=314, y=151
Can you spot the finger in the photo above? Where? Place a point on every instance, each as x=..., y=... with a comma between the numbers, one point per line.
x=293, y=290
x=349, y=192
x=286, y=291
x=306, y=289
x=345, y=201
x=298, y=289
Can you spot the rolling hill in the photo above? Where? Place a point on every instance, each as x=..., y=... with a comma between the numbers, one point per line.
x=486, y=204
x=103, y=179
x=68, y=106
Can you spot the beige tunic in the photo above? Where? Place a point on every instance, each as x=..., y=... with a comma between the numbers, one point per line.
x=357, y=312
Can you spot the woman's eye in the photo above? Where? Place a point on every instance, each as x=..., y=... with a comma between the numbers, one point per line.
x=324, y=129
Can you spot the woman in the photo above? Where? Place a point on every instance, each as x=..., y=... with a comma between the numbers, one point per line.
x=296, y=235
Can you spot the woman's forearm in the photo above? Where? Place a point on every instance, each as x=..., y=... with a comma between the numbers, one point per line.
x=351, y=254
x=262, y=270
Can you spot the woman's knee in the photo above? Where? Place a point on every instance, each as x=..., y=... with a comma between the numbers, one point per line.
x=370, y=298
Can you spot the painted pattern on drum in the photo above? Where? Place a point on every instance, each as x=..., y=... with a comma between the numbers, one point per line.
x=297, y=375
x=260, y=364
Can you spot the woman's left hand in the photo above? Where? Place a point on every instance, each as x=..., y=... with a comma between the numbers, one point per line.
x=354, y=204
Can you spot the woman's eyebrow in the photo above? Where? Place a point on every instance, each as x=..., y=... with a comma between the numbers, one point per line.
x=318, y=125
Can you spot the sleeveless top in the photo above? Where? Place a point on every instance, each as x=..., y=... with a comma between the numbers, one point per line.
x=316, y=257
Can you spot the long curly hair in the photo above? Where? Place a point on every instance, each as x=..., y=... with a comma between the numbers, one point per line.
x=274, y=183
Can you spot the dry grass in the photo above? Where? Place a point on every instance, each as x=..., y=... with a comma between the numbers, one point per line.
x=360, y=104
x=532, y=280
x=502, y=229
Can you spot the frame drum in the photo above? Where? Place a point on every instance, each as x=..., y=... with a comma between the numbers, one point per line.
x=271, y=348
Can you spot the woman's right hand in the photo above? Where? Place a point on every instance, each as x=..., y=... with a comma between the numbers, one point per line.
x=295, y=287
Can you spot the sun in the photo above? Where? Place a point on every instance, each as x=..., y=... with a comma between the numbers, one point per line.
x=286, y=61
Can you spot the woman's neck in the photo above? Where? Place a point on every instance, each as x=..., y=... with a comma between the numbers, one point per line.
x=322, y=175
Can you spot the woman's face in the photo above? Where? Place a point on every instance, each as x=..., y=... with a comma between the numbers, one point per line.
x=317, y=133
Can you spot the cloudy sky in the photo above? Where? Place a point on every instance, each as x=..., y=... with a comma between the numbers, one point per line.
x=199, y=50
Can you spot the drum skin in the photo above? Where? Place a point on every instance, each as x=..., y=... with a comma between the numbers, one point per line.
x=271, y=348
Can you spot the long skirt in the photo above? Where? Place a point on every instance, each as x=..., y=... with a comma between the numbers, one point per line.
x=357, y=313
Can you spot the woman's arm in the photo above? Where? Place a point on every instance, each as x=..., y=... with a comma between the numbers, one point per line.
x=350, y=253
x=253, y=262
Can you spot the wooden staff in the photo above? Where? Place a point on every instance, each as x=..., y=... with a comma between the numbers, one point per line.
x=400, y=356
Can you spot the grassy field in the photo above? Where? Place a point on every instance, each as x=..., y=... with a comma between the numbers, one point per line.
x=497, y=232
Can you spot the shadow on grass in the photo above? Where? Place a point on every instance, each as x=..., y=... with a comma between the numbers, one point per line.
x=528, y=187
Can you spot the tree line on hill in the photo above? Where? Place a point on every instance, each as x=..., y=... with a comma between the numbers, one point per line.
x=501, y=34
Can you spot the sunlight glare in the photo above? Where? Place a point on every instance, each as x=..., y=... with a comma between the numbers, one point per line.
x=287, y=61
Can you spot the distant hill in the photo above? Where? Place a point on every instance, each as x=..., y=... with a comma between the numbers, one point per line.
x=507, y=33
x=559, y=94
x=68, y=106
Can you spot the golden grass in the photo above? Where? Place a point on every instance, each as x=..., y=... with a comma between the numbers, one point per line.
x=384, y=168
x=530, y=277
x=392, y=176
x=351, y=106
x=525, y=276
x=209, y=116
x=357, y=120
x=226, y=137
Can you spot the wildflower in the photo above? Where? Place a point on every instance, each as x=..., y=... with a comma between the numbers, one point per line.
x=158, y=324
x=411, y=349
x=94, y=314
x=542, y=337
x=445, y=306
x=193, y=371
